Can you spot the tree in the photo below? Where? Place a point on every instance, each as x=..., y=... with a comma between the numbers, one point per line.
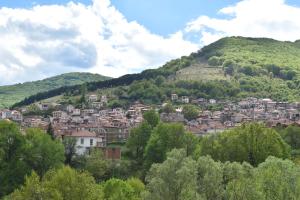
x=210, y=178
x=152, y=117
x=138, y=139
x=160, y=80
x=168, y=108
x=115, y=189
x=70, y=149
x=191, y=143
x=291, y=135
x=13, y=167
x=174, y=179
x=164, y=138
x=33, y=189
x=72, y=185
x=43, y=153
x=59, y=184
x=50, y=131
x=252, y=143
x=83, y=90
x=190, y=112
x=243, y=189
x=278, y=179
x=96, y=164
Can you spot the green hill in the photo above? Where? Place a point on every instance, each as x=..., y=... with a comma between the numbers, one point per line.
x=14, y=93
x=231, y=68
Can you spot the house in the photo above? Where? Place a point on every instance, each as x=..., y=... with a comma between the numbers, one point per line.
x=212, y=101
x=70, y=108
x=185, y=99
x=97, y=105
x=76, y=112
x=93, y=98
x=174, y=97
x=85, y=141
x=16, y=116
x=59, y=114
x=6, y=114
x=104, y=99
x=172, y=117
x=43, y=106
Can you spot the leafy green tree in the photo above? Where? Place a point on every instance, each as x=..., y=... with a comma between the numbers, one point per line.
x=190, y=112
x=152, y=117
x=243, y=189
x=83, y=90
x=214, y=61
x=70, y=184
x=59, y=184
x=168, y=108
x=96, y=164
x=164, y=138
x=70, y=149
x=291, y=135
x=43, y=153
x=278, y=179
x=174, y=179
x=138, y=139
x=50, y=131
x=210, y=178
x=115, y=189
x=190, y=143
x=252, y=143
x=13, y=166
x=34, y=190
x=160, y=80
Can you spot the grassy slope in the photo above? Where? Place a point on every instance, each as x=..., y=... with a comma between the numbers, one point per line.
x=14, y=93
x=256, y=51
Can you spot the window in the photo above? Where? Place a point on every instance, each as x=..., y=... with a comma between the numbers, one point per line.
x=91, y=142
x=81, y=141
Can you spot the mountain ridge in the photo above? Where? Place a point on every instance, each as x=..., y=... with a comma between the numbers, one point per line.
x=232, y=67
x=10, y=94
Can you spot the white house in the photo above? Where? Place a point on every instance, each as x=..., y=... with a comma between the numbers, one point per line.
x=174, y=97
x=85, y=140
x=185, y=99
x=93, y=98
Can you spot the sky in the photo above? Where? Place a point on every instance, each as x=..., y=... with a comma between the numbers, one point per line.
x=43, y=38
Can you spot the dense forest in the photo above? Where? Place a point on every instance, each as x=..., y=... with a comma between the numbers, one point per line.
x=160, y=161
x=14, y=93
x=231, y=68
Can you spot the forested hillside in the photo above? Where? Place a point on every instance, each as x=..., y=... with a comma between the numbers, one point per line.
x=230, y=68
x=14, y=93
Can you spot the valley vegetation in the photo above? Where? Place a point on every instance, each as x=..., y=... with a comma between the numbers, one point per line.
x=160, y=161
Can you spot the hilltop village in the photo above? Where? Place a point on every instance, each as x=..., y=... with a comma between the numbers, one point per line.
x=98, y=126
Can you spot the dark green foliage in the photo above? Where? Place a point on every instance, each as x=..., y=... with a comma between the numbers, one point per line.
x=138, y=140
x=50, y=131
x=70, y=149
x=168, y=108
x=20, y=154
x=163, y=139
x=13, y=167
x=252, y=143
x=190, y=112
x=43, y=153
x=152, y=117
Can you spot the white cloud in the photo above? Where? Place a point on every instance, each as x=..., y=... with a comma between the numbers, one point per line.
x=47, y=40
x=250, y=18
